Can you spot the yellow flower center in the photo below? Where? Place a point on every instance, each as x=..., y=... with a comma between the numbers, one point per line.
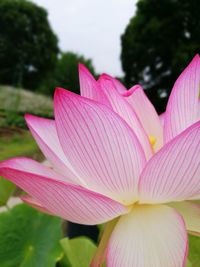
x=152, y=140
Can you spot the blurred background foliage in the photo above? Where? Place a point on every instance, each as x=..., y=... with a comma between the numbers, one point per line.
x=29, y=238
x=65, y=73
x=158, y=43
x=28, y=46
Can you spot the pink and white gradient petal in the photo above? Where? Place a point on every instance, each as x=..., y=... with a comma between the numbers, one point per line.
x=173, y=173
x=124, y=110
x=183, y=108
x=103, y=148
x=191, y=214
x=162, y=118
x=149, y=236
x=68, y=201
x=45, y=134
x=117, y=85
x=31, y=166
x=146, y=114
x=90, y=88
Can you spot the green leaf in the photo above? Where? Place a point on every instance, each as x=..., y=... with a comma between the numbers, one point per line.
x=194, y=250
x=29, y=238
x=100, y=253
x=6, y=190
x=79, y=251
x=188, y=263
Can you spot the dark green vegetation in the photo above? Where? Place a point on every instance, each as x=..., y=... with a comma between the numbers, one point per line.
x=194, y=250
x=29, y=238
x=29, y=53
x=28, y=46
x=6, y=190
x=78, y=252
x=66, y=73
x=15, y=140
x=15, y=102
x=158, y=43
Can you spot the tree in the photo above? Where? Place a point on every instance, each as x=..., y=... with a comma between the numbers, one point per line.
x=158, y=43
x=28, y=46
x=66, y=73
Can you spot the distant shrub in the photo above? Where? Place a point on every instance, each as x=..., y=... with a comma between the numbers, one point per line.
x=14, y=120
x=16, y=102
x=28, y=46
x=23, y=101
x=66, y=73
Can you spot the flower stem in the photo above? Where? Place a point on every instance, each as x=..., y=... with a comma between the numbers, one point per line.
x=100, y=254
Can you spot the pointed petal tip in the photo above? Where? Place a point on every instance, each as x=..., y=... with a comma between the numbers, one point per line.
x=194, y=60
x=32, y=121
x=197, y=57
x=29, y=118
x=82, y=67
x=132, y=90
x=83, y=70
x=28, y=115
x=10, y=164
x=105, y=76
x=5, y=163
x=63, y=95
x=60, y=92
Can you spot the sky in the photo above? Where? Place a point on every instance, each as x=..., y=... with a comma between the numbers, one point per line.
x=91, y=28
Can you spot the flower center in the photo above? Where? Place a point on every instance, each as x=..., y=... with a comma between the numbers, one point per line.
x=152, y=140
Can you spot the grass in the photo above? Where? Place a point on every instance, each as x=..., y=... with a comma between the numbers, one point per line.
x=15, y=142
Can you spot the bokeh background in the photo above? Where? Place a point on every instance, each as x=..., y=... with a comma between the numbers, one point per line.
x=41, y=43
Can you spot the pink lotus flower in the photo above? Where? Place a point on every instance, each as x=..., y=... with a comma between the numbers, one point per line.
x=111, y=157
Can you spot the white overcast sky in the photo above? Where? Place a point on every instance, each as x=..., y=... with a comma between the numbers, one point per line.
x=91, y=28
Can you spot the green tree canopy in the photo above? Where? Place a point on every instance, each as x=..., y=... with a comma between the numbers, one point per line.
x=66, y=73
x=28, y=46
x=159, y=42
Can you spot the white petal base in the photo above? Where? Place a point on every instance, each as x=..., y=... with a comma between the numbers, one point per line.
x=149, y=236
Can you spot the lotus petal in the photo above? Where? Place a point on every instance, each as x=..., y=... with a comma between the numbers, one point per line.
x=149, y=236
x=124, y=109
x=103, y=148
x=183, y=108
x=71, y=202
x=173, y=173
